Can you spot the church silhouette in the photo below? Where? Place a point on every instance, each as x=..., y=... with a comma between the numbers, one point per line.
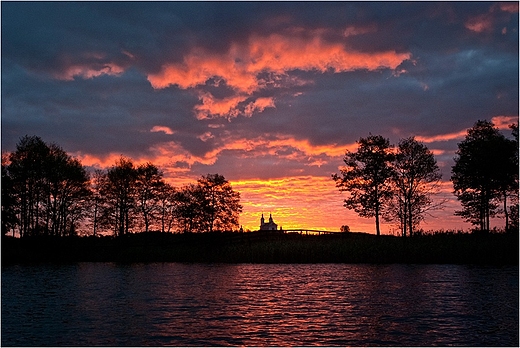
x=268, y=226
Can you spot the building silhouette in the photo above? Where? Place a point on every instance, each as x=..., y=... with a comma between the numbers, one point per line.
x=268, y=226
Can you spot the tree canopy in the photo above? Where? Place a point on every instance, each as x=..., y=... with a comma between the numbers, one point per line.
x=366, y=177
x=416, y=177
x=45, y=189
x=47, y=192
x=485, y=173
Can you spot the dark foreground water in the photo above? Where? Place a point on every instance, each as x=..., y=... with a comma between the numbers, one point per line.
x=277, y=305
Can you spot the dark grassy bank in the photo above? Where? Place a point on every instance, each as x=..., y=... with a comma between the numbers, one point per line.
x=266, y=248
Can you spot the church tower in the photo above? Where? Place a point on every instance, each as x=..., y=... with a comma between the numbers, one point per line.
x=269, y=226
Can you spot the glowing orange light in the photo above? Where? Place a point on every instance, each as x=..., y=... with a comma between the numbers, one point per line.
x=277, y=54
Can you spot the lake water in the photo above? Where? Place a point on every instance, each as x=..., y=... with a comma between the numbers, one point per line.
x=256, y=305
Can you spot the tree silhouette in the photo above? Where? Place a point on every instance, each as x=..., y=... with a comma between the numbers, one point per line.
x=415, y=179
x=96, y=198
x=25, y=169
x=9, y=205
x=50, y=188
x=483, y=173
x=148, y=184
x=220, y=205
x=188, y=209
x=166, y=206
x=67, y=194
x=119, y=191
x=366, y=177
x=47, y=192
x=509, y=180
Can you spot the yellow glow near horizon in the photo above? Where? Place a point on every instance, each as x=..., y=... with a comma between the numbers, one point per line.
x=310, y=202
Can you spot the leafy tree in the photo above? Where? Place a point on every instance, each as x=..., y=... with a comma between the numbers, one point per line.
x=510, y=189
x=50, y=188
x=67, y=194
x=484, y=171
x=366, y=177
x=118, y=188
x=415, y=179
x=149, y=181
x=221, y=204
x=188, y=210
x=25, y=170
x=9, y=204
x=345, y=228
x=166, y=204
x=96, y=198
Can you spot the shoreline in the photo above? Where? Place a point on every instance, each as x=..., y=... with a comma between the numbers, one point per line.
x=262, y=247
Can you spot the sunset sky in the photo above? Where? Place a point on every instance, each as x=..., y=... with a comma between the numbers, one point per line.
x=270, y=95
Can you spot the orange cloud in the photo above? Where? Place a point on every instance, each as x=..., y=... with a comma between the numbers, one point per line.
x=438, y=152
x=258, y=105
x=276, y=54
x=89, y=71
x=229, y=107
x=442, y=137
x=503, y=122
x=261, y=146
x=480, y=23
x=212, y=107
x=486, y=21
x=164, y=129
x=511, y=7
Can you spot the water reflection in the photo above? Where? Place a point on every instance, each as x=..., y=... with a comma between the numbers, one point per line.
x=258, y=305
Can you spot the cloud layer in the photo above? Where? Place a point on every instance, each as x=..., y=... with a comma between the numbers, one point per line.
x=256, y=91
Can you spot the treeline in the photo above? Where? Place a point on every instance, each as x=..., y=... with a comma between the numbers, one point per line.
x=266, y=247
x=398, y=184
x=47, y=192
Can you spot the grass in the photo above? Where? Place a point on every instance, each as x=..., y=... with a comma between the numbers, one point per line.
x=266, y=248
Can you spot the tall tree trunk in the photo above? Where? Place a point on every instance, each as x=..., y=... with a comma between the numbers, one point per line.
x=505, y=211
x=378, y=232
x=410, y=218
x=404, y=220
x=95, y=215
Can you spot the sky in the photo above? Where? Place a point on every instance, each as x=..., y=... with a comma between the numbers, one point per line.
x=268, y=94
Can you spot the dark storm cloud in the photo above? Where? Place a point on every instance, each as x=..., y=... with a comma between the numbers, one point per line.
x=97, y=116
x=78, y=74
x=45, y=36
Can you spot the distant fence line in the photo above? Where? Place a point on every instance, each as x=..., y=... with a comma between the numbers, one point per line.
x=299, y=231
x=306, y=231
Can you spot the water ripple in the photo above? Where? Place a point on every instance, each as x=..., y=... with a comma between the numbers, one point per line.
x=257, y=305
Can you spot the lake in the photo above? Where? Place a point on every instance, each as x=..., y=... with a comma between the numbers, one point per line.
x=178, y=304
